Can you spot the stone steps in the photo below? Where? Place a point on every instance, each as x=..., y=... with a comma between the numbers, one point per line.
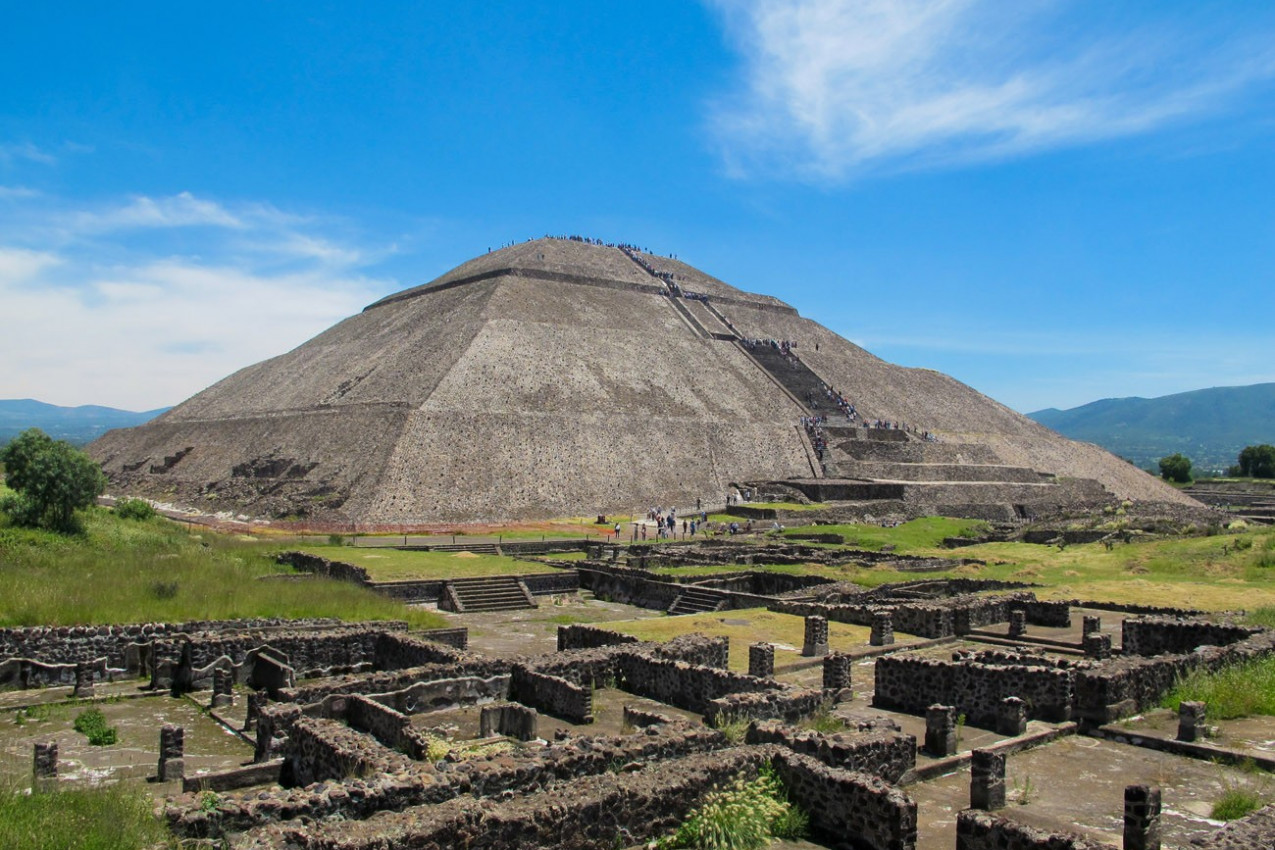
x=491, y=593
x=695, y=601
x=887, y=471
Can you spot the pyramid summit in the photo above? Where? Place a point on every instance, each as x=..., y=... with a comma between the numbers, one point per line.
x=560, y=377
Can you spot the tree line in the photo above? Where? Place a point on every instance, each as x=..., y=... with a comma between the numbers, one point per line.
x=1254, y=462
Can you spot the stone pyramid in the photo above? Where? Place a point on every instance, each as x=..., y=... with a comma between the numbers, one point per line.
x=562, y=378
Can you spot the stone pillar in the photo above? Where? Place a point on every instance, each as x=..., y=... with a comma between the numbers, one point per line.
x=882, y=628
x=172, y=750
x=940, y=730
x=489, y=721
x=761, y=660
x=816, y=636
x=83, y=681
x=1017, y=623
x=836, y=672
x=1011, y=719
x=1141, y=818
x=1097, y=646
x=1191, y=720
x=256, y=699
x=987, y=780
x=223, y=688
x=1091, y=625
x=45, y=767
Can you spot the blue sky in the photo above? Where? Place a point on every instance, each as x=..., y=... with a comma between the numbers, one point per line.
x=1054, y=202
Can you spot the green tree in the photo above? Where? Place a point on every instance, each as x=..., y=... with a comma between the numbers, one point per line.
x=51, y=480
x=1257, y=462
x=1175, y=467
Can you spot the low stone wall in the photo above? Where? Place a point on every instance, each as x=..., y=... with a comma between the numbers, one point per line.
x=71, y=644
x=457, y=638
x=380, y=721
x=928, y=618
x=888, y=755
x=867, y=811
x=1167, y=636
x=687, y=686
x=1123, y=686
x=397, y=650
x=422, y=784
x=590, y=637
x=976, y=830
x=593, y=813
x=973, y=689
x=395, y=680
x=309, y=653
x=696, y=648
x=788, y=704
x=320, y=749
x=629, y=586
x=440, y=694
x=551, y=695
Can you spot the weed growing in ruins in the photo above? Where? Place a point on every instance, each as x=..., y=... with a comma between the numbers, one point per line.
x=1240, y=690
x=208, y=801
x=91, y=723
x=824, y=721
x=734, y=728
x=744, y=816
x=1235, y=803
x=960, y=729
x=1024, y=791
x=110, y=817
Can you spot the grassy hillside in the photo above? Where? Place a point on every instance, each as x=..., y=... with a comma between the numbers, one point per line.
x=1209, y=426
x=125, y=571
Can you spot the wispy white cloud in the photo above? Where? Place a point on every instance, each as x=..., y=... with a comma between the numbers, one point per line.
x=143, y=302
x=834, y=88
x=182, y=210
x=25, y=151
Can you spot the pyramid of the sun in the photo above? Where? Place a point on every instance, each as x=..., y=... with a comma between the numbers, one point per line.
x=559, y=378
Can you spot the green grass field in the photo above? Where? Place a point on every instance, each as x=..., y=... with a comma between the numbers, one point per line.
x=400, y=565
x=125, y=571
x=743, y=627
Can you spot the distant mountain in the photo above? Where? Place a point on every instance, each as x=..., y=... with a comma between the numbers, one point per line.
x=77, y=425
x=1209, y=426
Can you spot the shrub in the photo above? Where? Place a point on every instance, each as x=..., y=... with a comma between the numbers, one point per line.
x=1235, y=803
x=92, y=724
x=51, y=480
x=138, y=509
x=745, y=816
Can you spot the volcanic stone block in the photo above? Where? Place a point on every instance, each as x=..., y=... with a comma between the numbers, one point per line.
x=172, y=750
x=1191, y=720
x=1091, y=624
x=987, y=780
x=1017, y=623
x=882, y=628
x=761, y=660
x=940, y=730
x=816, y=636
x=45, y=766
x=223, y=688
x=1012, y=717
x=1141, y=818
x=1097, y=645
x=83, y=681
x=516, y=721
x=256, y=699
x=836, y=672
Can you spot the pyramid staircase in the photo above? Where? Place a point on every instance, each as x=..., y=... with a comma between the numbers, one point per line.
x=695, y=600
x=487, y=593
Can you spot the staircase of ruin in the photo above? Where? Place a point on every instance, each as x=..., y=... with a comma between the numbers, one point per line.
x=488, y=593
x=694, y=600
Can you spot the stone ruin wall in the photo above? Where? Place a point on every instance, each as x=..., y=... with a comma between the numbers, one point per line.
x=973, y=689
x=1172, y=636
